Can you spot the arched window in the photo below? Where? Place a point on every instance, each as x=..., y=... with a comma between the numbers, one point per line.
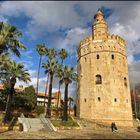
x=85, y=59
x=112, y=56
x=125, y=82
x=115, y=99
x=98, y=79
x=99, y=99
x=85, y=100
x=97, y=56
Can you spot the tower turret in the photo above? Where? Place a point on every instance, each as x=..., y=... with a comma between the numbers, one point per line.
x=100, y=27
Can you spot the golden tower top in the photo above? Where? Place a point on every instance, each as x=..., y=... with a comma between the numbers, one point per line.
x=99, y=14
x=99, y=28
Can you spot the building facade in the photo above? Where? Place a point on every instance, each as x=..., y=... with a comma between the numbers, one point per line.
x=41, y=98
x=103, y=93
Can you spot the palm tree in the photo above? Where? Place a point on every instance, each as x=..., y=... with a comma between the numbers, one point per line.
x=41, y=51
x=63, y=55
x=68, y=76
x=70, y=99
x=9, y=39
x=12, y=73
x=4, y=60
x=50, y=68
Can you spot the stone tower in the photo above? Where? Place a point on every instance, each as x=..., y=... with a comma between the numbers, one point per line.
x=103, y=90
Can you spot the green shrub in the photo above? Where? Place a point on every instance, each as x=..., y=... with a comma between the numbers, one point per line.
x=39, y=110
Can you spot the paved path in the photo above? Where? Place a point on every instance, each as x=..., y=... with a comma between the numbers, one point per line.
x=71, y=134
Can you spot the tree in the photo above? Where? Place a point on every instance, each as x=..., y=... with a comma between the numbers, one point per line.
x=67, y=77
x=41, y=51
x=9, y=39
x=50, y=68
x=59, y=74
x=30, y=97
x=63, y=55
x=25, y=99
x=12, y=73
x=70, y=99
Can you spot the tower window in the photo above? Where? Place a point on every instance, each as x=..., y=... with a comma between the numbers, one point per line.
x=85, y=100
x=98, y=79
x=112, y=56
x=125, y=82
x=85, y=59
x=99, y=99
x=115, y=100
x=97, y=56
x=127, y=100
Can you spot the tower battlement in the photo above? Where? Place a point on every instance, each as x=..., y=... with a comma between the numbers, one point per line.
x=86, y=40
x=117, y=39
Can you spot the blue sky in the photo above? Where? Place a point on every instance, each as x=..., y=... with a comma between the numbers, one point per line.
x=63, y=24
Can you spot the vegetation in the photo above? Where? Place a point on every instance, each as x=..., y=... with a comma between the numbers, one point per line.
x=67, y=77
x=41, y=51
x=11, y=74
x=39, y=110
x=10, y=71
x=51, y=68
x=25, y=99
x=63, y=55
x=69, y=123
x=9, y=39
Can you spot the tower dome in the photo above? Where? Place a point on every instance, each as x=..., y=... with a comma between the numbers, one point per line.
x=98, y=13
x=100, y=27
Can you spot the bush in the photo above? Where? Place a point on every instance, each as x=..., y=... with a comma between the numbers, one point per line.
x=25, y=99
x=39, y=110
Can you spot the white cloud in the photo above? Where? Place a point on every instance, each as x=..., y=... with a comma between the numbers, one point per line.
x=72, y=39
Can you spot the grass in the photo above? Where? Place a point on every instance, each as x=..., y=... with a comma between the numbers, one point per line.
x=69, y=123
x=1, y=118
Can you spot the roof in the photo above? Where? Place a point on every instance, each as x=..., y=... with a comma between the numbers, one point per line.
x=99, y=12
x=54, y=94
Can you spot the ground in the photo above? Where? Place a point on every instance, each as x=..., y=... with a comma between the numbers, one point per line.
x=88, y=131
x=72, y=134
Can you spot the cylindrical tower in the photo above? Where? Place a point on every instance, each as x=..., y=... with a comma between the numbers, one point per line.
x=103, y=91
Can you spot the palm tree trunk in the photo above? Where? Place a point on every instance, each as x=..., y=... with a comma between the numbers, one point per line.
x=38, y=74
x=58, y=97
x=8, y=105
x=65, y=114
x=69, y=106
x=50, y=96
x=46, y=89
x=59, y=92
